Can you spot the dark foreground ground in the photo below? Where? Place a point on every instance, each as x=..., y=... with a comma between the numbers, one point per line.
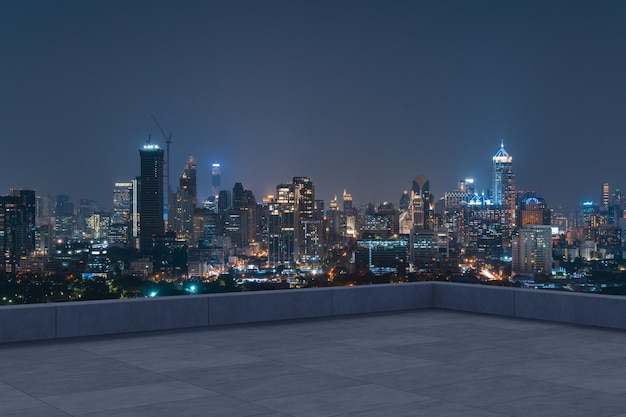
x=421, y=363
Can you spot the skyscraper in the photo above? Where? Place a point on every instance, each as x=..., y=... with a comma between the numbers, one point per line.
x=216, y=179
x=281, y=227
x=503, y=177
x=504, y=185
x=532, y=250
x=186, y=200
x=421, y=207
x=122, y=202
x=605, y=194
x=17, y=228
x=151, y=222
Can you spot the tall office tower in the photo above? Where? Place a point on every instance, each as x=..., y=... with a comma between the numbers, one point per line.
x=504, y=184
x=185, y=201
x=29, y=201
x=334, y=220
x=308, y=229
x=532, y=250
x=305, y=197
x=151, y=222
x=216, y=179
x=86, y=208
x=281, y=227
x=122, y=202
x=468, y=186
x=240, y=221
x=533, y=210
x=422, y=204
x=349, y=220
x=124, y=213
x=405, y=201
x=223, y=201
x=17, y=228
x=318, y=210
x=605, y=194
x=347, y=201
x=64, y=219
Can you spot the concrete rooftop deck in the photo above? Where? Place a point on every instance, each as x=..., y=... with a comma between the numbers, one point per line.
x=413, y=363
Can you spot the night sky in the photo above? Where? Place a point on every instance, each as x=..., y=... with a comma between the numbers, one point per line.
x=361, y=95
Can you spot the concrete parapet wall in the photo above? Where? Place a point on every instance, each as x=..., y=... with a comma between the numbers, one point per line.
x=474, y=298
x=374, y=298
x=587, y=309
x=249, y=307
x=27, y=322
x=88, y=318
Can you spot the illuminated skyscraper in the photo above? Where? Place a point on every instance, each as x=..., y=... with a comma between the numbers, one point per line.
x=122, y=202
x=17, y=228
x=151, y=222
x=281, y=227
x=421, y=207
x=504, y=185
x=216, y=179
x=532, y=250
x=186, y=200
x=605, y=194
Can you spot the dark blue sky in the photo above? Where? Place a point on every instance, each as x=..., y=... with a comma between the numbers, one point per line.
x=362, y=95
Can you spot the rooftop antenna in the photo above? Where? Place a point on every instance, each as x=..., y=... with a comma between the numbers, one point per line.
x=168, y=141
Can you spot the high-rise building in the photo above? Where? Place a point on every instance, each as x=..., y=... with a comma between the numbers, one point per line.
x=532, y=250
x=185, y=201
x=216, y=179
x=281, y=227
x=504, y=195
x=151, y=221
x=504, y=183
x=309, y=230
x=533, y=210
x=122, y=202
x=605, y=194
x=239, y=222
x=422, y=204
x=64, y=219
x=17, y=228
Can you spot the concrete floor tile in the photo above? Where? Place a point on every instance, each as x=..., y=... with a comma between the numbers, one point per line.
x=550, y=368
x=392, y=339
x=126, y=397
x=595, y=351
x=164, y=359
x=12, y=400
x=307, y=380
x=383, y=362
x=571, y=403
x=100, y=373
x=234, y=373
x=426, y=408
x=45, y=411
x=492, y=390
x=604, y=380
x=214, y=406
x=428, y=376
x=340, y=401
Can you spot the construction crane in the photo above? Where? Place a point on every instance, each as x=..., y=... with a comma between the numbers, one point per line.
x=167, y=201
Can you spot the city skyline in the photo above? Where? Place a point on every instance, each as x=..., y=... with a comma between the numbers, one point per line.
x=363, y=96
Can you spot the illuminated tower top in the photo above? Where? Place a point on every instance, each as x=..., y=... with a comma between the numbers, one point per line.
x=502, y=156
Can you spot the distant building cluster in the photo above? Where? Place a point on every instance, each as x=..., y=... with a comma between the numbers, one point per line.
x=173, y=233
